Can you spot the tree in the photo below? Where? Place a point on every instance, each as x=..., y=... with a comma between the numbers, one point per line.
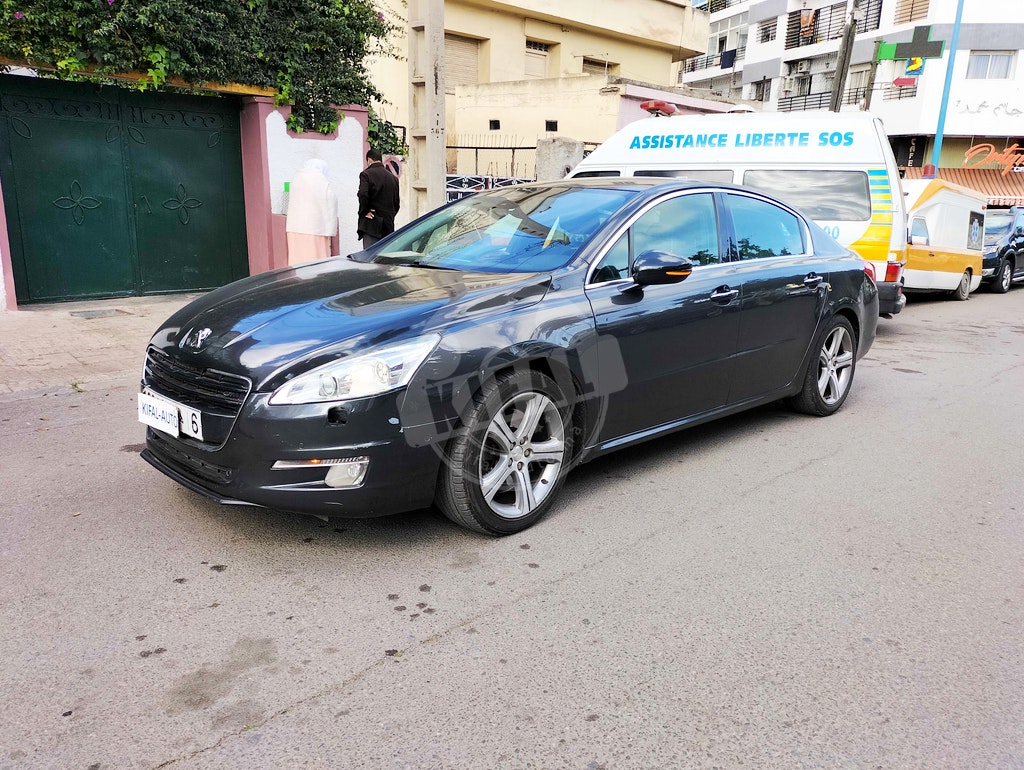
x=311, y=51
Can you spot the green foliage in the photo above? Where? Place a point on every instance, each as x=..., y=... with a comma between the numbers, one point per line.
x=383, y=136
x=311, y=51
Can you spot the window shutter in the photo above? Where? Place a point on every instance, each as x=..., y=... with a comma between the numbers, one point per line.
x=461, y=61
x=536, y=64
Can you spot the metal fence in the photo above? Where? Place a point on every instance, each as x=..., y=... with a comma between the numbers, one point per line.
x=460, y=186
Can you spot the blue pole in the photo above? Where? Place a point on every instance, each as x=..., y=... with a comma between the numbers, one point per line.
x=937, y=149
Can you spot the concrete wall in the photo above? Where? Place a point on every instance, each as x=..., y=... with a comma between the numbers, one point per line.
x=504, y=33
x=672, y=26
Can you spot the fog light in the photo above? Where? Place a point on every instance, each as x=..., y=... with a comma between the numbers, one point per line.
x=349, y=473
x=344, y=472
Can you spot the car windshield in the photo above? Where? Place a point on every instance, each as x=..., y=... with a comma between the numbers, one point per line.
x=997, y=223
x=527, y=229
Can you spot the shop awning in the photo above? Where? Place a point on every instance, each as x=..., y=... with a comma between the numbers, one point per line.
x=1000, y=189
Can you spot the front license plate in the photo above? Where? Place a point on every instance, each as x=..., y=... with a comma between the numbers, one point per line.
x=170, y=416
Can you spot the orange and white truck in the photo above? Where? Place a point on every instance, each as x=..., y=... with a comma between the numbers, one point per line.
x=947, y=236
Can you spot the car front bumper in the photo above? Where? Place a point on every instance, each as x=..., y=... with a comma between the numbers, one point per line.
x=399, y=476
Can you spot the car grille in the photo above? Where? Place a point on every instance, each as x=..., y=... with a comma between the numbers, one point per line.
x=205, y=389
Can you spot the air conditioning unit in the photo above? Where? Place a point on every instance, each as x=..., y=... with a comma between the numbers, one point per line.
x=802, y=67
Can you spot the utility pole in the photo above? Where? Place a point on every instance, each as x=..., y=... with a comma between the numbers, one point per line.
x=843, y=64
x=872, y=74
x=427, y=140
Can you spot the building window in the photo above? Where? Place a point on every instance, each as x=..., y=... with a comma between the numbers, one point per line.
x=536, y=59
x=596, y=67
x=990, y=65
x=762, y=90
x=768, y=30
x=495, y=125
x=911, y=10
x=550, y=125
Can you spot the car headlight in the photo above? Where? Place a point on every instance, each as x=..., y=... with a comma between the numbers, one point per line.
x=988, y=251
x=366, y=374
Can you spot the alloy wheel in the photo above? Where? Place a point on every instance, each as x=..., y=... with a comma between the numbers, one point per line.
x=522, y=455
x=835, y=365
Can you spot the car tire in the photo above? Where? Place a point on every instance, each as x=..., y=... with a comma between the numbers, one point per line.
x=1003, y=278
x=963, y=289
x=507, y=459
x=829, y=375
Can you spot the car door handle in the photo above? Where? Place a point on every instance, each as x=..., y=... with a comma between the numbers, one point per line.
x=723, y=295
x=813, y=281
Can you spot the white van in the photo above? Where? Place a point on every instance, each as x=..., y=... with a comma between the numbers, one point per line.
x=838, y=168
x=947, y=234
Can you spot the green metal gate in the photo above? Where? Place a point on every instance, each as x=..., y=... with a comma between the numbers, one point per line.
x=111, y=192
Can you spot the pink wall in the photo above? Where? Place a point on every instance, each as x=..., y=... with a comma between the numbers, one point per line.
x=5, y=258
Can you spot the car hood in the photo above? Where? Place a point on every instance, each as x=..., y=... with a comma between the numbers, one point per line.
x=266, y=325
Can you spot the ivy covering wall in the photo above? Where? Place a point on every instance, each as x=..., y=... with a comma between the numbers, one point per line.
x=311, y=51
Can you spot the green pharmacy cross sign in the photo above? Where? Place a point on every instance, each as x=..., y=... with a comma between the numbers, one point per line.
x=915, y=52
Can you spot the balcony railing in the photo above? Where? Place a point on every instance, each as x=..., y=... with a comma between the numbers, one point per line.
x=806, y=102
x=822, y=100
x=829, y=23
x=713, y=6
x=710, y=60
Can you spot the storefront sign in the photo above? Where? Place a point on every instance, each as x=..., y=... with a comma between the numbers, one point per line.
x=983, y=154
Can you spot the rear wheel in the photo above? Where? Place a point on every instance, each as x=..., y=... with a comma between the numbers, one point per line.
x=1003, y=278
x=963, y=289
x=830, y=373
x=508, y=458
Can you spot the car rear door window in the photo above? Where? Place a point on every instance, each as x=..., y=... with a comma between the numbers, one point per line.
x=763, y=229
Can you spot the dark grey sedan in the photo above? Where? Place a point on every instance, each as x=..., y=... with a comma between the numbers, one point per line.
x=472, y=358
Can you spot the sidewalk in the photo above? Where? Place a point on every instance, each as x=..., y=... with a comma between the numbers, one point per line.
x=76, y=344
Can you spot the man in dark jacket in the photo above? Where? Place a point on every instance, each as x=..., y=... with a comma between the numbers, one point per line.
x=378, y=200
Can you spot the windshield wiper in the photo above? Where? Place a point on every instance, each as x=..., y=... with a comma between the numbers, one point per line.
x=409, y=262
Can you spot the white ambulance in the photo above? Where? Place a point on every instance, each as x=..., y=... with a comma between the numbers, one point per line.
x=838, y=168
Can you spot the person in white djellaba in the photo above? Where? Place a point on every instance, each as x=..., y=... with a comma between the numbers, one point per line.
x=312, y=218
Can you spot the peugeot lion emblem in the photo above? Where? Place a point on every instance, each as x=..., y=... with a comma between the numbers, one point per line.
x=195, y=339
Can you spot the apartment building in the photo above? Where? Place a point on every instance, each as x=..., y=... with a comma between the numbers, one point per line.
x=783, y=54
x=517, y=72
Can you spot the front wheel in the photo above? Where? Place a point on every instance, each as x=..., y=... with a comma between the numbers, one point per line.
x=830, y=374
x=1002, y=279
x=963, y=289
x=509, y=456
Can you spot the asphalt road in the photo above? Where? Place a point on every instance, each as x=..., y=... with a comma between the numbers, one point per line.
x=768, y=591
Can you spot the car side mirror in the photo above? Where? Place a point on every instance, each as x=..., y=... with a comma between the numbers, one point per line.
x=918, y=240
x=659, y=267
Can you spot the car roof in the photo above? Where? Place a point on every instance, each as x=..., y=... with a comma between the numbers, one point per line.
x=641, y=184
